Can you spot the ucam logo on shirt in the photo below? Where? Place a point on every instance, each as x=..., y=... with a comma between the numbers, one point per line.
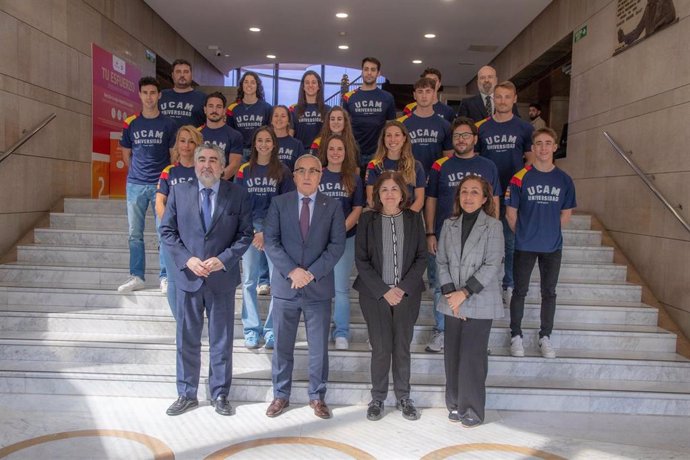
x=261, y=185
x=285, y=154
x=177, y=107
x=455, y=178
x=368, y=106
x=334, y=190
x=246, y=121
x=310, y=116
x=501, y=142
x=424, y=136
x=148, y=136
x=543, y=193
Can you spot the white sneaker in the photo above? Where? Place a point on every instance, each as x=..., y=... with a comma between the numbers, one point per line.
x=341, y=343
x=507, y=295
x=516, y=348
x=164, y=285
x=435, y=345
x=263, y=289
x=134, y=283
x=547, y=350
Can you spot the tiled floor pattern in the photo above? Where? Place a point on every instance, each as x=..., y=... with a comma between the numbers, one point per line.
x=68, y=427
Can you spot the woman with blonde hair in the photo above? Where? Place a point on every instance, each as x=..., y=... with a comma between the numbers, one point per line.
x=394, y=153
x=181, y=170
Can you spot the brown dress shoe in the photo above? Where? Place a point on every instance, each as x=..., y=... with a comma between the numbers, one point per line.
x=321, y=410
x=278, y=405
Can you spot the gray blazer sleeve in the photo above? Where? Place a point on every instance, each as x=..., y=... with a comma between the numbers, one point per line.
x=494, y=252
x=443, y=260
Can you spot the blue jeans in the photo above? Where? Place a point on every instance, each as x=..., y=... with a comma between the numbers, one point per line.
x=341, y=273
x=509, y=238
x=439, y=317
x=251, y=319
x=169, y=265
x=138, y=199
x=264, y=273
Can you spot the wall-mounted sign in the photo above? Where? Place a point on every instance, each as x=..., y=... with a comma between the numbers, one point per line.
x=637, y=20
x=115, y=96
x=580, y=33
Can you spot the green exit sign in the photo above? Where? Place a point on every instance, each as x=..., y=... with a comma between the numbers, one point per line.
x=580, y=33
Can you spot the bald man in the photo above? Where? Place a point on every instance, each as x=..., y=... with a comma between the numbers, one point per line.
x=481, y=106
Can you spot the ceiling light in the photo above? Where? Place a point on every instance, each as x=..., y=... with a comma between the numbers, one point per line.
x=226, y=55
x=429, y=35
x=341, y=15
x=343, y=47
x=417, y=61
x=271, y=56
x=254, y=29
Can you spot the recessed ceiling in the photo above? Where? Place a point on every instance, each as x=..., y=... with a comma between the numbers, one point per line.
x=307, y=31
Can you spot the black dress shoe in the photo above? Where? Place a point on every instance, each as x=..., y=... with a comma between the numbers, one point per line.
x=454, y=416
x=375, y=410
x=222, y=405
x=469, y=421
x=182, y=405
x=409, y=411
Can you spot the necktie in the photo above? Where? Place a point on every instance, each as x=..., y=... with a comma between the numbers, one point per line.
x=304, y=217
x=206, y=207
x=487, y=104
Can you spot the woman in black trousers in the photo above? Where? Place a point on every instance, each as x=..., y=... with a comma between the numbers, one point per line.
x=390, y=255
x=470, y=265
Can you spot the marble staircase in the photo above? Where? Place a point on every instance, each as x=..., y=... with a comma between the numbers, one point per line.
x=65, y=330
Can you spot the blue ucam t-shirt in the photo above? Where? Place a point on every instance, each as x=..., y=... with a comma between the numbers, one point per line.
x=505, y=144
x=376, y=168
x=262, y=189
x=308, y=126
x=539, y=198
x=445, y=176
x=429, y=137
x=289, y=150
x=246, y=118
x=184, y=108
x=174, y=174
x=332, y=186
x=150, y=140
x=442, y=110
x=228, y=139
x=369, y=110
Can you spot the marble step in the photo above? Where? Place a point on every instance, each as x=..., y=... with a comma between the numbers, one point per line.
x=18, y=274
x=570, y=363
x=153, y=330
x=152, y=303
x=118, y=238
x=119, y=258
x=119, y=207
x=351, y=388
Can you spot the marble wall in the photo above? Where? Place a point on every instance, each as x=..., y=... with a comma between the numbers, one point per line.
x=45, y=67
x=642, y=98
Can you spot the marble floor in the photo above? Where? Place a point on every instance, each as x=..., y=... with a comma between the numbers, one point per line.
x=70, y=427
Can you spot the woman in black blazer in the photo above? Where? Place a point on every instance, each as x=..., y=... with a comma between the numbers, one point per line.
x=390, y=255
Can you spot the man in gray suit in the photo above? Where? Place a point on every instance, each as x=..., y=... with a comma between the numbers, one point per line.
x=304, y=236
x=206, y=228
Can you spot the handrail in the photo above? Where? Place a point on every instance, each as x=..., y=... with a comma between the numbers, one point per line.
x=340, y=91
x=22, y=140
x=647, y=181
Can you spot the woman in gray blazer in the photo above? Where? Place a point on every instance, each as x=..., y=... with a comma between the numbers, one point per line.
x=470, y=266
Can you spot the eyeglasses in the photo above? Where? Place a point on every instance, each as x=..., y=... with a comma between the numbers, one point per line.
x=465, y=136
x=307, y=172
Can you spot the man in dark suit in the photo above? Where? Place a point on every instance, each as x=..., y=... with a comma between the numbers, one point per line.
x=304, y=236
x=207, y=226
x=482, y=105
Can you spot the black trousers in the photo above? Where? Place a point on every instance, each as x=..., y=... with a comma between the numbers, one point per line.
x=549, y=269
x=390, y=334
x=467, y=364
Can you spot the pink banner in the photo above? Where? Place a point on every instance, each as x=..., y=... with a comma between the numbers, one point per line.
x=115, y=97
